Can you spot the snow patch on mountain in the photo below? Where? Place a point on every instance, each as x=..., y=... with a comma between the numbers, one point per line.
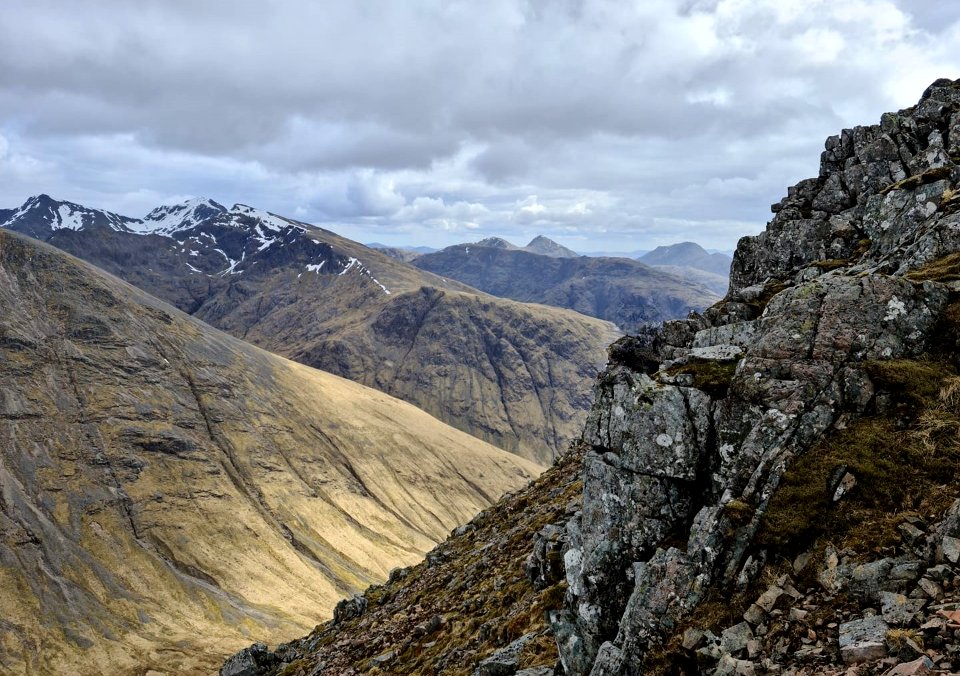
x=65, y=215
x=268, y=220
x=349, y=266
x=353, y=263
x=167, y=220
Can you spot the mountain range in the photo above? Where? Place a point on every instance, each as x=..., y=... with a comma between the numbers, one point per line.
x=513, y=374
x=626, y=292
x=168, y=491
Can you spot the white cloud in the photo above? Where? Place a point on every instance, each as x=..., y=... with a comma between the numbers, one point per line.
x=625, y=120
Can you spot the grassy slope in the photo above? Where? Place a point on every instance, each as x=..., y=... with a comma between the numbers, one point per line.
x=169, y=494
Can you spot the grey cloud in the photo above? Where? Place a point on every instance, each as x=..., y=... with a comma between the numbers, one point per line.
x=661, y=115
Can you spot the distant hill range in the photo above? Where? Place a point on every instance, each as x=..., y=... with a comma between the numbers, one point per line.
x=692, y=262
x=401, y=253
x=538, y=245
x=516, y=375
x=626, y=292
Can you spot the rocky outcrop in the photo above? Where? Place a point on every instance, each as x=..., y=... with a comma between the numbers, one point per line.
x=696, y=425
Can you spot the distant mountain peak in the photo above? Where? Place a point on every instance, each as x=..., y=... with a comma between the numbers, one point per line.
x=44, y=213
x=691, y=247
x=496, y=243
x=547, y=247
x=165, y=220
x=688, y=255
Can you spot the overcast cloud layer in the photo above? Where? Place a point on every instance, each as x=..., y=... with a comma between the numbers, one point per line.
x=604, y=125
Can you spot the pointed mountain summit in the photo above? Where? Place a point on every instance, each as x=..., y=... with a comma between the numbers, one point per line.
x=496, y=243
x=689, y=255
x=547, y=247
x=166, y=220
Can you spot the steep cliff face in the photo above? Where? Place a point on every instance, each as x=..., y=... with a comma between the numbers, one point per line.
x=168, y=492
x=696, y=426
x=767, y=486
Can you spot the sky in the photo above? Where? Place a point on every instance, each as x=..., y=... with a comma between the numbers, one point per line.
x=607, y=125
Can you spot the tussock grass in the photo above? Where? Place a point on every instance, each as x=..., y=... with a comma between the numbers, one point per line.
x=903, y=458
x=944, y=269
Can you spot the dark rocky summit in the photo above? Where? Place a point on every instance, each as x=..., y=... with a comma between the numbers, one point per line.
x=770, y=486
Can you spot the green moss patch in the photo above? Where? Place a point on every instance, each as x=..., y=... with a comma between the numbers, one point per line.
x=770, y=289
x=914, y=182
x=944, y=269
x=832, y=264
x=712, y=377
x=902, y=460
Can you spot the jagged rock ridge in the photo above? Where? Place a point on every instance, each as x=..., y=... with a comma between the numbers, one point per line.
x=517, y=376
x=168, y=492
x=816, y=405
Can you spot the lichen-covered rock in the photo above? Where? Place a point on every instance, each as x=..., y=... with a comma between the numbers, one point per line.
x=545, y=563
x=682, y=470
x=251, y=661
x=504, y=662
x=863, y=639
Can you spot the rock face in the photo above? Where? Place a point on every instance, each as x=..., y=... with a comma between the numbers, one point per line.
x=849, y=273
x=772, y=486
x=169, y=493
x=515, y=375
x=621, y=290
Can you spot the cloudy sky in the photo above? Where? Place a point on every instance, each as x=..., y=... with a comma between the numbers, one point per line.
x=606, y=125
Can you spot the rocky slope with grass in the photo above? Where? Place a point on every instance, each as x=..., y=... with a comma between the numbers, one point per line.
x=513, y=374
x=621, y=290
x=770, y=486
x=168, y=492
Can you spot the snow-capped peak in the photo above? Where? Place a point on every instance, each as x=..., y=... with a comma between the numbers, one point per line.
x=168, y=219
x=43, y=209
x=266, y=219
